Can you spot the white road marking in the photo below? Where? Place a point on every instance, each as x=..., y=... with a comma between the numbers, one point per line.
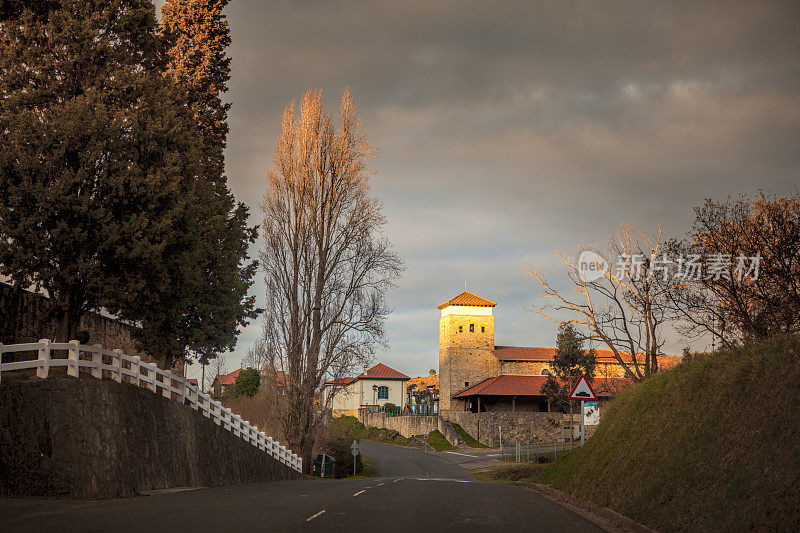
x=440, y=479
x=312, y=517
x=359, y=492
x=380, y=484
x=396, y=480
x=464, y=454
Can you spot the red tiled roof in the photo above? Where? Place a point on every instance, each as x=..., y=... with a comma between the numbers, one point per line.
x=510, y=385
x=381, y=371
x=193, y=382
x=524, y=353
x=281, y=379
x=467, y=298
x=340, y=381
x=229, y=379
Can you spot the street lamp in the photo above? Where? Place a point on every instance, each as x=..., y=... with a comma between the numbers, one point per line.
x=374, y=393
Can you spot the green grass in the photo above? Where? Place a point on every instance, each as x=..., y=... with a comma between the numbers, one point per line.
x=507, y=474
x=469, y=440
x=437, y=441
x=366, y=471
x=350, y=427
x=712, y=444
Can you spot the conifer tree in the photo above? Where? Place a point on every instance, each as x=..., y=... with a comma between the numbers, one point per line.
x=97, y=158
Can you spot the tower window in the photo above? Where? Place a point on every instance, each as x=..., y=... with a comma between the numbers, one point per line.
x=483, y=329
x=460, y=329
x=545, y=372
x=472, y=328
x=466, y=383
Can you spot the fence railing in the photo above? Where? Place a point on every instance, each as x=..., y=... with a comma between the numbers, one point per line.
x=121, y=367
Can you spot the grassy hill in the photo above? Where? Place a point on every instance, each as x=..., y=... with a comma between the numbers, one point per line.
x=713, y=444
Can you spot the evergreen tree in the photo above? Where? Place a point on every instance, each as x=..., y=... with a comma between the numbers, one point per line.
x=98, y=157
x=247, y=382
x=200, y=310
x=569, y=363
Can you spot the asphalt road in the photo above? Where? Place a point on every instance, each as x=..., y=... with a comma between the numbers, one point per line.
x=410, y=489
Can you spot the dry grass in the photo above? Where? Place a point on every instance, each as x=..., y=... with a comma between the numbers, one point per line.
x=713, y=444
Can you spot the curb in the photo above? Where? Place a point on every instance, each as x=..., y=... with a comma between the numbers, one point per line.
x=601, y=516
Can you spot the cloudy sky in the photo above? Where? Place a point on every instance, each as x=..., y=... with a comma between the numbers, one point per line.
x=509, y=130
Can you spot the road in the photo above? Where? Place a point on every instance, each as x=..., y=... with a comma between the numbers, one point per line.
x=409, y=489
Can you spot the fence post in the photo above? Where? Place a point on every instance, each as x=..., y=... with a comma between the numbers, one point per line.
x=136, y=366
x=167, y=392
x=44, y=358
x=74, y=349
x=97, y=362
x=118, y=365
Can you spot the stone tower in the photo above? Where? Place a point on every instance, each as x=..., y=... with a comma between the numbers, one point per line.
x=466, y=347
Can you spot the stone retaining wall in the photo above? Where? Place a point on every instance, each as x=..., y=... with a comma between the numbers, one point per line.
x=520, y=426
x=94, y=439
x=408, y=425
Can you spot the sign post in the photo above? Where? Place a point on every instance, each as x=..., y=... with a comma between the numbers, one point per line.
x=354, y=449
x=583, y=392
x=426, y=440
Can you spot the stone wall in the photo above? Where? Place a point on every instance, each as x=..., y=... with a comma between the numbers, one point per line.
x=92, y=439
x=523, y=427
x=408, y=425
x=22, y=311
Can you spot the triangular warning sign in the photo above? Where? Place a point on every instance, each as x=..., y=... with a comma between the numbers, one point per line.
x=583, y=391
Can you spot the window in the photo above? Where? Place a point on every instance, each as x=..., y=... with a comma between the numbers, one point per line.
x=466, y=383
x=482, y=329
x=383, y=392
x=545, y=372
x=460, y=329
x=472, y=328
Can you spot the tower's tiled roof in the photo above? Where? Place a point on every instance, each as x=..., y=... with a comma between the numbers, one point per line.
x=467, y=298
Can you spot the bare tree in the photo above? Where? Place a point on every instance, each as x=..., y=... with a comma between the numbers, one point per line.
x=749, y=256
x=217, y=367
x=623, y=308
x=327, y=266
x=256, y=356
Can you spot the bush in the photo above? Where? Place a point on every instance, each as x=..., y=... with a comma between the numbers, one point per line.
x=389, y=407
x=338, y=447
x=247, y=382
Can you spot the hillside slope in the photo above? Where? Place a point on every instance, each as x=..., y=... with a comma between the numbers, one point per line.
x=713, y=444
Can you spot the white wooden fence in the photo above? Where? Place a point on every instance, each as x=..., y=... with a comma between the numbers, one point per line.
x=117, y=365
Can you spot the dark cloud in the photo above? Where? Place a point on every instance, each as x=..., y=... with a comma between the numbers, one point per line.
x=508, y=130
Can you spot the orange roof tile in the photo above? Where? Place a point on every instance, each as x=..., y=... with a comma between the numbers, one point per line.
x=510, y=385
x=467, y=298
x=381, y=371
x=524, y=353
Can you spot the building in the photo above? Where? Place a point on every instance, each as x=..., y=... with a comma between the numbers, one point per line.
x=377, y=386
x=476, y=375
x=224, y=383
x=422, y=394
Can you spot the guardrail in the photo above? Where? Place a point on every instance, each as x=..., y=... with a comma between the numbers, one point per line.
x=119, y=365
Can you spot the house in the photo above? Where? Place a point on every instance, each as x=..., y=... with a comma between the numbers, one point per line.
x=224, y=383
x=376, y=386
x=476, y=375
x=422, y=394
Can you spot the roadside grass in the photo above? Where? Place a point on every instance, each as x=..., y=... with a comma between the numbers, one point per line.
x=508, y=474
x=350, y=427
x=437, y=441
x=712, y=444
x=366, y=470
x=468, y=439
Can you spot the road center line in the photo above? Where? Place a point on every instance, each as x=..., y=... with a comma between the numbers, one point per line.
x=396, y=480
x=312, y=517
x=359, y=492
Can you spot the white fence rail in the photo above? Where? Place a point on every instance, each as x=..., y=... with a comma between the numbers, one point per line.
x=117, y=365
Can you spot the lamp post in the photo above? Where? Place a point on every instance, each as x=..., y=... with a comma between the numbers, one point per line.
x=374, y=393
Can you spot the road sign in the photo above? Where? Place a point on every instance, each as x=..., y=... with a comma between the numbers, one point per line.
x=583, y=391
x=354, y=448
x=426, y=434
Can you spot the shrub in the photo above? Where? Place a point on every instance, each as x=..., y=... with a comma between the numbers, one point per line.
x=247, y=382
x=338, y=447
x=389, y=407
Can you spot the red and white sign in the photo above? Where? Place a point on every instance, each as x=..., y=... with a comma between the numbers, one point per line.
x=583, y=391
